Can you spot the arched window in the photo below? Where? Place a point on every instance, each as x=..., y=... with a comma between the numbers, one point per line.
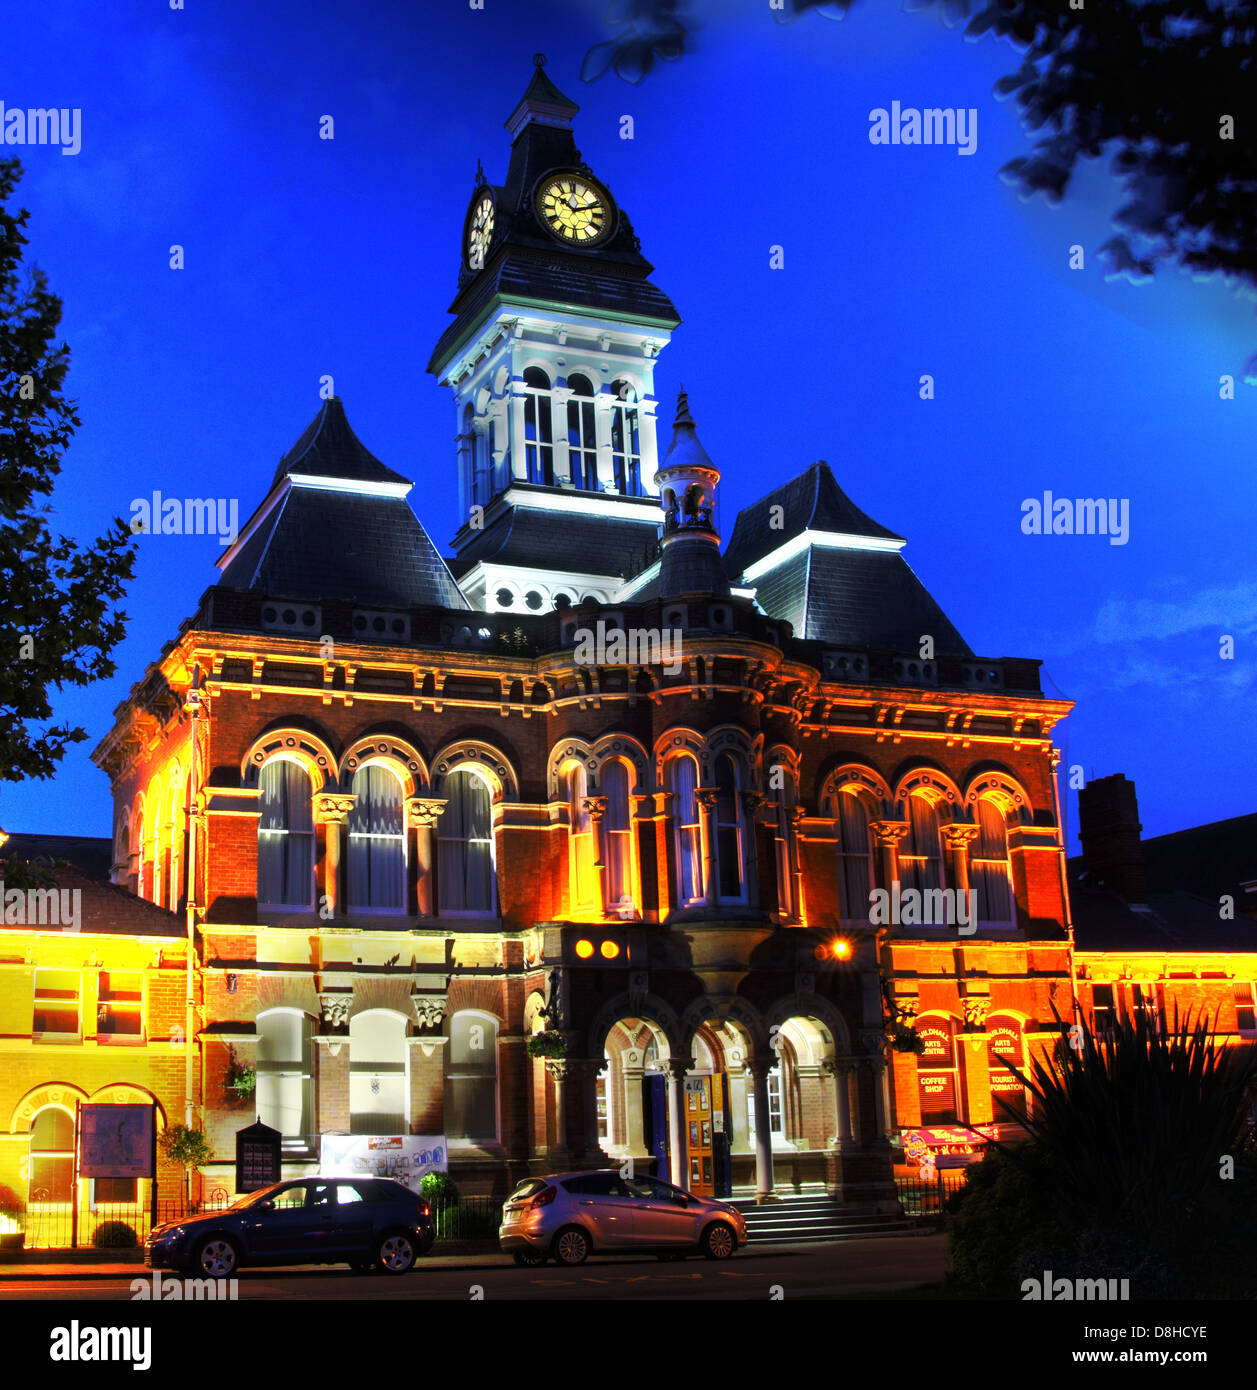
x=581, y=888
x=285, y=837
x=990, y=874
x=284, y=1088
x=138, y=849
x=471, y=1079
x=728, y=829
x=582, y=437
x=481, y=460
x=617, y=826
x=122, y=859
x=379, y=1085
x=855, y=856
x=465, y=845
x=626, y=444
x=538, y=428
x=921, y=859
x=787, y=799
x=377, y=842
x=683, y=784
x=937, y=1076
x=52, y=1156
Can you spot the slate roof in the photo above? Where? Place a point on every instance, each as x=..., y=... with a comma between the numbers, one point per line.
x=328, y=448
x=314, y=543
x=811, y=502
x=1187, y=872
x=107, y=908
x=536, y=539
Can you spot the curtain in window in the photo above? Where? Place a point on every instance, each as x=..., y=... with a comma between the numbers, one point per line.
x=465, y=845
x=682, y=783
x=728, y=828
x=921, y=867
x=581, y=839
x=989, y=867
x=285, y=836
x=854, y=859
x=617, y=828
x=377, y=842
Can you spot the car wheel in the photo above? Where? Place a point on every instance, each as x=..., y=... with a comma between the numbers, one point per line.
x=216, y=1258
x=719, y=1242
x=396, y=1253
x=529, y=1259
x=571, y=1246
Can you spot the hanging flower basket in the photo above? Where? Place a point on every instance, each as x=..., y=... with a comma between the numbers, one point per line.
x=547, y=1044
x=906, y=1040
x=239, y=1080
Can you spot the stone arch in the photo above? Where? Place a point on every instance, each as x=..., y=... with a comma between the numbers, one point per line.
x=627, y=749
x=487, y=759
x=680, y=739
x=648, y=1007
x=384, y=748
x=62, y=1094
x=1004, y=789
x=931, y=782
x=860, y=777
x=127, y=1093
x=732, y=738
x=565, y=751
x=735, y=1012
x=299, y=745
x=806, y=1004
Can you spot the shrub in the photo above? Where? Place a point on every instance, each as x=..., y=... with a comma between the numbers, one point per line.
x=114, y=1235
x=439, y=1188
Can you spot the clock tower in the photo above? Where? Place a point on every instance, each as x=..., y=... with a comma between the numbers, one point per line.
x=551, y=360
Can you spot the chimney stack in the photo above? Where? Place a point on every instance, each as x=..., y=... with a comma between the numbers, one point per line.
x=1108, y=827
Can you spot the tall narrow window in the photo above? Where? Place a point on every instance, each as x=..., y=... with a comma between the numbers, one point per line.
x=787, y=798
x=728, y=828
x=1103, y=1009
x=1244, y=1011
x=921, y=862
x=471, y=1079
x=581, y=890
x=582, y=437
x=285, y=837
x=284, y=1072
x=378, y=1084
x=465, y=845
x=119, y=1004
x=56, y=1005
x=937, y=1073
x=855, y=857
x=52, y=1157
x=538, y=427
x=776, y=1114
x=683, y=784
x=617, y=827
x=989, y=869
x=377, y=842
x=626, y=445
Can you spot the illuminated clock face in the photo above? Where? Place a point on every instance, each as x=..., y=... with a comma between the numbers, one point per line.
x=480, y=231
x=574, y=209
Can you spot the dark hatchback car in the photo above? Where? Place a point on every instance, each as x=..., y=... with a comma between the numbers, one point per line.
x=367, y=1223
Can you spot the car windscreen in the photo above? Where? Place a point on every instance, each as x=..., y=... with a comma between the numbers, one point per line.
x=528, y=1188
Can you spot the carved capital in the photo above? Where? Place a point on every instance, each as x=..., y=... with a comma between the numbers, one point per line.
x=752, y=801
x=595, y=807
x=976, y=1011
x=794, y=814
x=429, y=1009
x=333, y=808
x=874, y=1041
x=707, y=798
x=425, y=811
x=334, y=1009
x=676, y=1068
x=889, y=832
x=958, y=834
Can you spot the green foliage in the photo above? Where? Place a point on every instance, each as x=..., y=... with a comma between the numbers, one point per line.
x=187, y=1147
x=114, y=1235
x=58, y=623
x=1123, y=1174
x=239, y=1077
x=547, y=1044
x=439, y=1189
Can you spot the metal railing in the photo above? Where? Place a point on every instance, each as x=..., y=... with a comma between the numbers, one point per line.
x=927, y=1197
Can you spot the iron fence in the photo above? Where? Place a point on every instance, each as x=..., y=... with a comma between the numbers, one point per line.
x=927, y=1197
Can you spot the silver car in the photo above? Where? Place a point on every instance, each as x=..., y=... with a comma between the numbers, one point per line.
x=571, y=1215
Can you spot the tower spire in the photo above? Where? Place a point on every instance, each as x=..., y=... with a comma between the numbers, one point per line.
x=687, y=481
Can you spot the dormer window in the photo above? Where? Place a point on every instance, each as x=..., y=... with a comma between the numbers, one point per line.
x=582, y=436
x=538, y=427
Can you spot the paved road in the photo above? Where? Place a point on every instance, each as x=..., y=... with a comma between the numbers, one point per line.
x=863, y=1267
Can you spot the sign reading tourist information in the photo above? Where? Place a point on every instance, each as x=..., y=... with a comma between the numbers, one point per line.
x=116, y=1141
x=258, y=1153
x=1004, y=1042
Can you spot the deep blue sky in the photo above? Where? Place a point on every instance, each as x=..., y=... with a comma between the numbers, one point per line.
x=307, y=257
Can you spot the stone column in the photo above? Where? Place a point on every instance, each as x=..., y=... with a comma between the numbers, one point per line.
x=563, y=1073
x=886, y=836
x=675, y=1070
x=584, y=1075
x=602, y=434
x=422, y=814
x=875, y=1043
x=751, y=802
x=706, y=797
x=794, y=814
x=332, y=812
x=519, y=451
x=759, y=1067
x=634, y=1121
x=840, y=1070
x=957, y=837
x=595, y=807
x=559, y=397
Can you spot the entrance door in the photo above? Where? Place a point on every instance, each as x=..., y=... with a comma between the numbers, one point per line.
x=698, y=1117
x=655, y=1114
